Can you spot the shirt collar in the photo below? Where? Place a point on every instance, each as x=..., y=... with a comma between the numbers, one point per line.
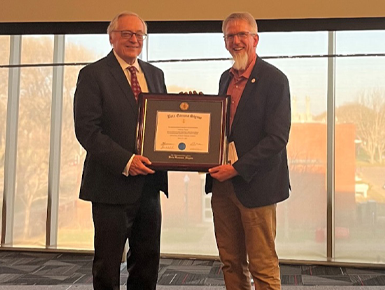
x=246, y=74
x=124, y=64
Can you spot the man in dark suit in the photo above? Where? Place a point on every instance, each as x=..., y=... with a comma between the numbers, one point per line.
x=123, y=190
x=245, y=191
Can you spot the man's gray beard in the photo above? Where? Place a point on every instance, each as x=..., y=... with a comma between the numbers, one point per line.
x=240, y=61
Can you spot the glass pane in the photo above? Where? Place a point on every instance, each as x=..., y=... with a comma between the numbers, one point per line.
x=37, y=49
x=292, y=43
x=301, y=233
x=33, y=143
x=186, y=46
x=301, y=220
x=4, y=60
x=360, y=149
x=184, y=229
x=190, y=76
x=86, y=48
x=75, y=228
x=4, y=50
x=359, y=42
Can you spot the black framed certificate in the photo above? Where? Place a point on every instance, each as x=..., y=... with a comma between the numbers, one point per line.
x=183, y=132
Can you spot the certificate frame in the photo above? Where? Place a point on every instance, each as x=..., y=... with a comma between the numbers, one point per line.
x=188, y=145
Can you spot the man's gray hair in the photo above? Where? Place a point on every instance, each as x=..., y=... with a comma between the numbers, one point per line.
x=241, y=16
x=114, y=22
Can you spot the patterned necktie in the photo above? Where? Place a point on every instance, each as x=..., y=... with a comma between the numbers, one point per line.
x=134, y=82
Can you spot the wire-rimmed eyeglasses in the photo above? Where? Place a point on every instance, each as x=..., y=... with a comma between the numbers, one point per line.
x=240, y=35
x=129, y=34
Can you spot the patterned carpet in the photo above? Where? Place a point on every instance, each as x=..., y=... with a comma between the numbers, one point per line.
x=33, y=268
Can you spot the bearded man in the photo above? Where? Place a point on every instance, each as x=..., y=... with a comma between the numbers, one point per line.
x=245, y=192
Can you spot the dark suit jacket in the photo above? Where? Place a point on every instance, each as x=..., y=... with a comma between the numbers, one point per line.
x=106, y=114
x=260, y=131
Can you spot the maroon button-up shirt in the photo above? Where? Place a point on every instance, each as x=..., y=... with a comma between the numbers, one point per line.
x=237, y=85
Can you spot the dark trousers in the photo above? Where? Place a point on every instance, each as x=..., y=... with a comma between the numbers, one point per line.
x=140, y=223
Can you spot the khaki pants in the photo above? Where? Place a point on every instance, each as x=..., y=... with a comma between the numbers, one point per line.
x=246, y=241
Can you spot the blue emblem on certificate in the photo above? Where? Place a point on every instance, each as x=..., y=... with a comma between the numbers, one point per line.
x=181, y=146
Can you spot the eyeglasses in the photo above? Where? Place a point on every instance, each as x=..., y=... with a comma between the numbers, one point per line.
x=130, y=34
x=241, y=35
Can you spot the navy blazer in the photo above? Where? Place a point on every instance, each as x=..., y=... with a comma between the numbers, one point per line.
x=106, y=114
x=260, y=131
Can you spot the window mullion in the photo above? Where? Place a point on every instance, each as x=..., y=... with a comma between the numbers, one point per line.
x=11, y=141
x=330, y=176
x=55, y=143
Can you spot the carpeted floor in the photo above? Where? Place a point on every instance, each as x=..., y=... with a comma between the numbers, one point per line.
x=73, y=271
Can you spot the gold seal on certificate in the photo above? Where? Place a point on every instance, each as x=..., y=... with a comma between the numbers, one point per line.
x=183, y=132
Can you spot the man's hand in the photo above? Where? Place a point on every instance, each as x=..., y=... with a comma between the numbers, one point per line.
x=223, y=172
x=138, y=166
x=191, y=93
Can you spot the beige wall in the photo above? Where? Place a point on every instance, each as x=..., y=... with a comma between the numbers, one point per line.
x=153, y=10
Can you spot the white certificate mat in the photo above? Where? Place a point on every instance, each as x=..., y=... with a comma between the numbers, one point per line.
x=182, y=132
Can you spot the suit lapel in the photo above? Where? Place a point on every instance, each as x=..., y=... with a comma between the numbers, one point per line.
x=118, y=74
x=225, y=83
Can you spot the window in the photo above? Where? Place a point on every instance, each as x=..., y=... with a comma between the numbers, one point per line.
x=360, y=146
x=30, y=206
x=195, y=62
